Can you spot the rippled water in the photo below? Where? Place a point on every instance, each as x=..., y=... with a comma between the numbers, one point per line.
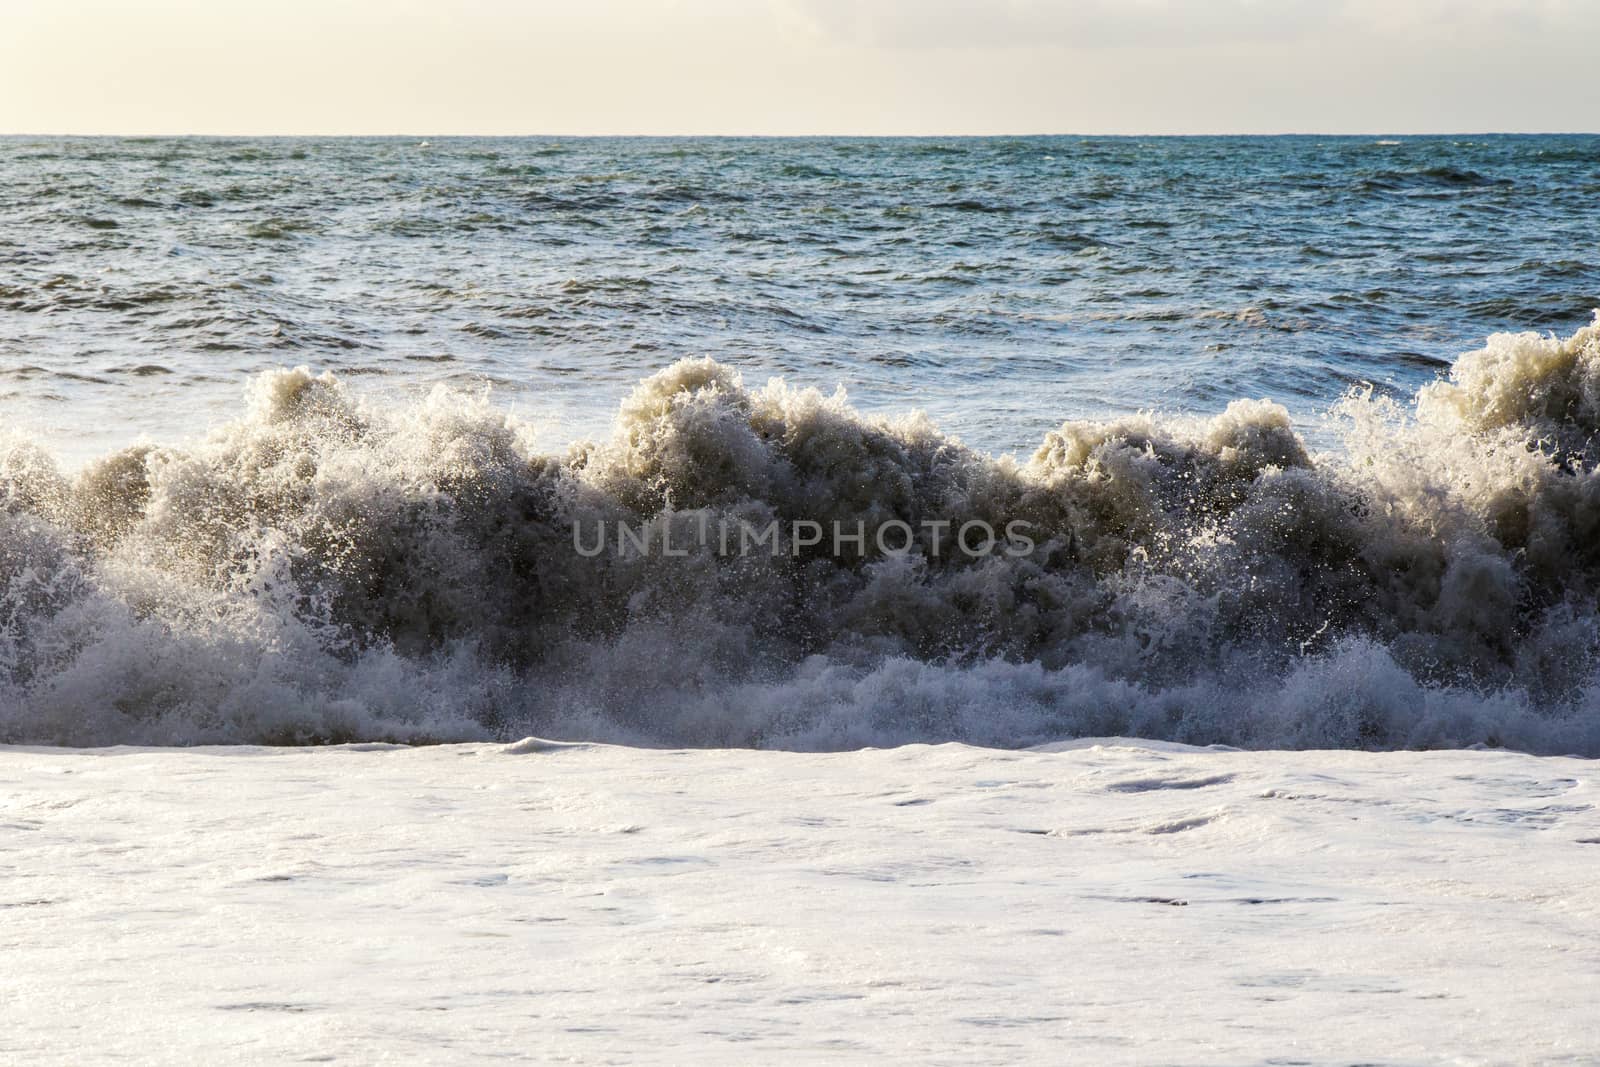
x=355, y=555
x=1001, y=284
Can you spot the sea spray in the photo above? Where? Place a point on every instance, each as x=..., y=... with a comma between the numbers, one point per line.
x=329, y=569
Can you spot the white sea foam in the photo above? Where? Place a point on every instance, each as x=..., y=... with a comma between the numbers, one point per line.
x=326, y=568
x=1109, y=903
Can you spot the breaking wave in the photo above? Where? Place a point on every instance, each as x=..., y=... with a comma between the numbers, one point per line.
x=327, y=569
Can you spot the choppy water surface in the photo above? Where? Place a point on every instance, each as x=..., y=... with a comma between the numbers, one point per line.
x=345, y=554
x=1001, y=284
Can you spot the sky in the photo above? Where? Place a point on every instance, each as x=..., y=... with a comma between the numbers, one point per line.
x=874, y=67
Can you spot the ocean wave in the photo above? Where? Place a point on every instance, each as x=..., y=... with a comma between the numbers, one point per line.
x=1429, y=177
x=326, y=568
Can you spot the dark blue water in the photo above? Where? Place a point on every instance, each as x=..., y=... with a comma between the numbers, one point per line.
x=1001, y=284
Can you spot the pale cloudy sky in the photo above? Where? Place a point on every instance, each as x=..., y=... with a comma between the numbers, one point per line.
x=797, y=66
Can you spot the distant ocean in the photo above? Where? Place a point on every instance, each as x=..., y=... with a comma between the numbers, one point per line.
x=1304, y=431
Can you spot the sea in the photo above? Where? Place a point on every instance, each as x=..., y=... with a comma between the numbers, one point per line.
x=306, y=440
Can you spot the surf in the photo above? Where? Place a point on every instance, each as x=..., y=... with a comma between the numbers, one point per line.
x=328, y=567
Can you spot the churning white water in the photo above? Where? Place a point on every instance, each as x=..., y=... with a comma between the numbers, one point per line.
x=325, y=568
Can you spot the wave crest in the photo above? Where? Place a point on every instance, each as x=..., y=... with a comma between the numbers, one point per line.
x=326, y=569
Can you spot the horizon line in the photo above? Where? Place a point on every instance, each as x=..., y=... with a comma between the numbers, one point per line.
x=807, y=136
